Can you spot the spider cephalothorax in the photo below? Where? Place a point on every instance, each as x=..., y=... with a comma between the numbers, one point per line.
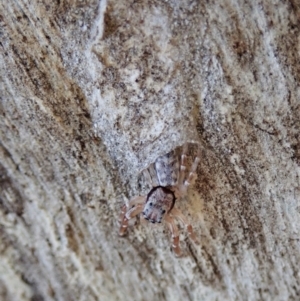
x=159, y=201
x=169, y=181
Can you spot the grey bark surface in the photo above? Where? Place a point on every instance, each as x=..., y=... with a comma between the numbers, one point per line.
x=92, y=92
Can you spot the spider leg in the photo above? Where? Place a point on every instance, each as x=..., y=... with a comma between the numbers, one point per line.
x=175, y=234
x=134, y=211
x=182, y=164
x=178, y=214
x=136, y=200
x=192, y=174
x=126, y=214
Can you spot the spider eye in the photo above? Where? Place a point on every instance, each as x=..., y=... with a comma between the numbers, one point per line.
x=151, y=204
x=163, y=212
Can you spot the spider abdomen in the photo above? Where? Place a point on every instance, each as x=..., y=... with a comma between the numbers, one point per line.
x=167, y=169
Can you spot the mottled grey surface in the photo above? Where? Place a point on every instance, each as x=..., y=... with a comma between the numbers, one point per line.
x=91, y=93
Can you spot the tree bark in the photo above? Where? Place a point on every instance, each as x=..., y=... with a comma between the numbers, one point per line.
x=92, y=92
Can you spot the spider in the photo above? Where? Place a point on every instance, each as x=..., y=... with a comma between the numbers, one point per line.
x=158, y=205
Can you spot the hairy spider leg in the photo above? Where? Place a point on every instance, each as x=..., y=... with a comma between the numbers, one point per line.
x=182, y=165
x=134, y=211
x=134, y=203
x=135, y=200
x=179, y=215
x=175, y=234
x=192, y=174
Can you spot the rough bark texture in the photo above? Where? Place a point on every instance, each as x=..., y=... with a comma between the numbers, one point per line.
x=92, y=92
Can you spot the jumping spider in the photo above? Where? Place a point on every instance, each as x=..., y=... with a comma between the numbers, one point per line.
x=171, y=185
